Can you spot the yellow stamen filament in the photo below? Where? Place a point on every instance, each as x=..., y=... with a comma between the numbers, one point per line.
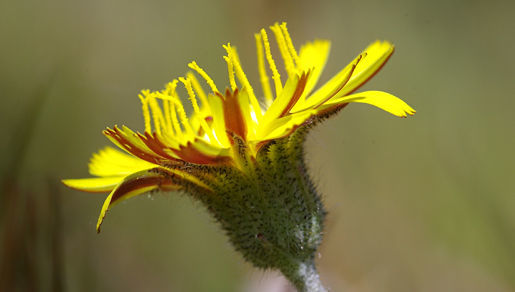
x=196, y=109
x=157, y=114
x=267, y=92
x=283, y=48
x=233, y=55
x=182, y=114
x=198, y=89
x=168, y=104
x=170, y=95
x=191, y=94
x=289, y=43
x=168, y=119
x=146, y=112
x=193, y=65
x=175, y=121
x=170, y=87
x=275, y=74
x=169, y=90
x=230, y=69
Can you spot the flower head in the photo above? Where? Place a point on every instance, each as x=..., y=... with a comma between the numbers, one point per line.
x=237, y=153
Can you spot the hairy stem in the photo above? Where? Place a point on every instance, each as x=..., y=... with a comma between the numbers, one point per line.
x=305, y=278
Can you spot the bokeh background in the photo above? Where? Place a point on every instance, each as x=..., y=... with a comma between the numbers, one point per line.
x=419, y=204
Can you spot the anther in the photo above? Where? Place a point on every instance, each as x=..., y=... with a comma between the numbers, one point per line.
x=275, y=74
x=193, y=65
x=262, y=70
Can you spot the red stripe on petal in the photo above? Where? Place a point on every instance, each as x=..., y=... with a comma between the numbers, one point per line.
x=373, y=74
x=345, y=81
x=156, y=145
x=301, y=85
x=139, y=183
x=131, y=148
x=209, y=122
x=233, y=115
x=190, y=154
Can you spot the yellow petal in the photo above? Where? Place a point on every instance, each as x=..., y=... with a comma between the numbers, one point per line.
x=374, y=57
x=283, y=126
x=380, y=99
x=111, y=162
x=280, y=103
x=211, y=149
x=219, y=130
x=248, y=113
x=313, y=56
x=94, y=185
x=330, y=88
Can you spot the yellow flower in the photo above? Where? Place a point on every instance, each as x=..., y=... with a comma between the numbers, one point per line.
x=172, y=149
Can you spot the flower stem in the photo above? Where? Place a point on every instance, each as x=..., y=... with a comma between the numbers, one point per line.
x=305, y=278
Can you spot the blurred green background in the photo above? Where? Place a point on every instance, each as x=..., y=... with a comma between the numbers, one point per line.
x=419, y=204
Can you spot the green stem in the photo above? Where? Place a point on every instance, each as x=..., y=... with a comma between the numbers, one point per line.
x=305, y=278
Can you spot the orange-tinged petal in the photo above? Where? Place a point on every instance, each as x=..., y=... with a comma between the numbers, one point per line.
x=153, y=142
x=135, y=184
x=130, y=142
x=234, y=120
x=201, y=152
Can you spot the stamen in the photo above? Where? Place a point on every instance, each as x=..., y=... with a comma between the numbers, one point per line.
x=175, y=121
x=275, y=75
x=157, y=114
x=146, y=112
x=169, y=107
x=283, y=48
x=182, y=115
x=168, y=91
x=233, y=55
x=191, y=94
x=193, y=65
x=166, y=109
x=289, y=43
x=230, y=69
x=171, y=86
x=267, y=92
x=174, y=99
x=189, y=89
x=198, y=89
